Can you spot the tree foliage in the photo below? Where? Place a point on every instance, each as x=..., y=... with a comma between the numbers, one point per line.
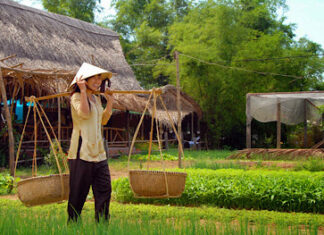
x=228, y=49
x=144, y=27
x=80, y=9
x=229, y=35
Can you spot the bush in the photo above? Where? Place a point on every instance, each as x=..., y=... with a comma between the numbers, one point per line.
x=310, y=165
x=240, y=189
x=50, y=158
x=6, y=184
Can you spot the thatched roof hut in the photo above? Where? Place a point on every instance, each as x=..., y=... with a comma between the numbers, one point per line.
x=49, y=48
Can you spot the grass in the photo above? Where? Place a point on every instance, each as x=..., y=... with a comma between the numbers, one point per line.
x=148, y=219
x=172, y=154
x=274, y=157
x=208, y=164
x=194, y=159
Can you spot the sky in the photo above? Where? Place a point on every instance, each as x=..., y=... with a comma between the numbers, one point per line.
x=308, y=15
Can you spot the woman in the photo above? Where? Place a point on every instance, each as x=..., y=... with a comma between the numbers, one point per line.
x=87, y=157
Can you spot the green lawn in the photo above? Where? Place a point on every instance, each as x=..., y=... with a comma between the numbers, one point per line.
x=147, y=219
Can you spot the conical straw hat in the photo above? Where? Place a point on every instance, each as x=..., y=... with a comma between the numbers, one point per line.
x=88, y=70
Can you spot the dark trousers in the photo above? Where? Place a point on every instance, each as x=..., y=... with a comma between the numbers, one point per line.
x=84, y=174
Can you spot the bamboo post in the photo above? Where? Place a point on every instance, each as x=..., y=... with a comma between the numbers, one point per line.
x=198, y=133
x=127, y=128
x=305, y=123
x=166, y=139
x=193, y=137
x=142, y=131
x=248, y=121
x=12, y=103
x=59, y=118
x=9, y=123
x=178, y=106
x=157, y=91
x=278, y=125
x=152, y=130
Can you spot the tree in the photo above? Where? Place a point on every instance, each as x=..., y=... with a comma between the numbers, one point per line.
x=240, y=46
x=228, y=35
x=80, y=9
x=143, y=26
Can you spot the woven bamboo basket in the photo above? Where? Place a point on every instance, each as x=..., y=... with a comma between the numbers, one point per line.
x=43, y=189
x=154, y=184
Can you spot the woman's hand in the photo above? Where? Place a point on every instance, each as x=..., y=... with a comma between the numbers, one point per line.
x=82, y=84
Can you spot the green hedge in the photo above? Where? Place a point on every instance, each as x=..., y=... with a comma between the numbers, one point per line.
x=6, y=184
x=271, y=190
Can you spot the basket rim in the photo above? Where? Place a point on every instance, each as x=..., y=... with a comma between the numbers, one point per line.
x=157, y=172
x=43, y=177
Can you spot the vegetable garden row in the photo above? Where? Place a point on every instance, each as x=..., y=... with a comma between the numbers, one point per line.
x=240, y=189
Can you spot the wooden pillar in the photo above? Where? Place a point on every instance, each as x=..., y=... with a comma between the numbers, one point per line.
x=9, y=123
x=59, y=119
x=178, y=107
x=278, y=125
x=193, y=137
x=248, y=121
x=127, y=128
x=142, y=130
x=305, y=123
x=166, y=139
x=199, y=133
x=160, y=132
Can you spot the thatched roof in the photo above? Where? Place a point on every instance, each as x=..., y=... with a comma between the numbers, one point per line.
x=49, y=48
x=169, y=95
x=44, y=40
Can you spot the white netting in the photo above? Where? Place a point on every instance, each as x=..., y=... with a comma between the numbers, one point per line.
x=263, y=107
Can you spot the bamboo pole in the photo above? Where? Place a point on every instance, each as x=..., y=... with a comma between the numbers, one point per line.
x=278, y=125
x=178, y=106
x=157, y=91
x=8, y=57
x=248, y=121
x=9, y=123
x=59, y=118
x=166, y=139
x=128, y=136
x=198, y=133
x=193, y=137
x=305, y=123
x=151, y=132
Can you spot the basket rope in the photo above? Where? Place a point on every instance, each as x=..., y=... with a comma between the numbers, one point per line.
x=137, y=129
x=34, y=102
x=151, y=132
x=173, y=127
x=160, y=150
x=54, y=150
x=155, y=95
x=56, y=140
x=21, y=138
x=34, y=163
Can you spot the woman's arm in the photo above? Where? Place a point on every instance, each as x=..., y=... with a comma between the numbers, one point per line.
x=84, y=104
x=108, y=110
